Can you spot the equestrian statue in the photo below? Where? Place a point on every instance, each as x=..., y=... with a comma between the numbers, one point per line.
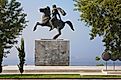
x=53, y=22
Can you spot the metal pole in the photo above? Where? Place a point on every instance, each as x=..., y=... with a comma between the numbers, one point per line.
x=113, y=65
x=106, y=65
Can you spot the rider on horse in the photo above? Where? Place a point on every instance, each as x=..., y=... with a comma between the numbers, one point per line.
x=58, y=24
x=54, y=16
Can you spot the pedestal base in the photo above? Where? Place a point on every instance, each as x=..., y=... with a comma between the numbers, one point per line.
x=49, y=52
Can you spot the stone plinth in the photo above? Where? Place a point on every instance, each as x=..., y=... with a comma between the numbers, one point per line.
x=49, y=52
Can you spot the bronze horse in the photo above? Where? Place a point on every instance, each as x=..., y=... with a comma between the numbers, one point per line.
x=58, y=24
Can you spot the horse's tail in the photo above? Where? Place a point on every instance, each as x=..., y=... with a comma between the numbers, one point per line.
x=70, y=24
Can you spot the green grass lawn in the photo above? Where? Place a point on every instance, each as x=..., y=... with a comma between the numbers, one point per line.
x=50, y=76
x=40, y=76
x=101, y=76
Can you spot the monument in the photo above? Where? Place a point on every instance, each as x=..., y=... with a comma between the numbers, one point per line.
x=52, y=52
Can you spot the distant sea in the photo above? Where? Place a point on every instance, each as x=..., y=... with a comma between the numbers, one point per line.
x=109, y=63
x=72, y=63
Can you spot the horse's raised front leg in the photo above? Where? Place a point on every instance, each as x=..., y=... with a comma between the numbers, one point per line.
x=36, y=26
x=56, y=36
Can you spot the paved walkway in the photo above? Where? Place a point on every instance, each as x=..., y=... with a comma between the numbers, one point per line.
x=82, y=70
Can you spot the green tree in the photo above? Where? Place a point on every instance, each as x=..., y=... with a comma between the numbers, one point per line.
x=97, y=58
x=104, y=18
x=12, y=22
x=21, y=56
x=2, y=2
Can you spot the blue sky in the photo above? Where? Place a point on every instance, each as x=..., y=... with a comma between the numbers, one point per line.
x=82, y=49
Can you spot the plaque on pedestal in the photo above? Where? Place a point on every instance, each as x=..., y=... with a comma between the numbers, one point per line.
x=51, y=52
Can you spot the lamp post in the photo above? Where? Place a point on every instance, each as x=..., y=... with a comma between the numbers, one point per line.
x=106, y=56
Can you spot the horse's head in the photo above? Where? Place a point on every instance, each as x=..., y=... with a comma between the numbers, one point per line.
x=46, y=10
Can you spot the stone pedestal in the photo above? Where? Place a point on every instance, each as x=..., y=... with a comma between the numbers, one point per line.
x=49, y=52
